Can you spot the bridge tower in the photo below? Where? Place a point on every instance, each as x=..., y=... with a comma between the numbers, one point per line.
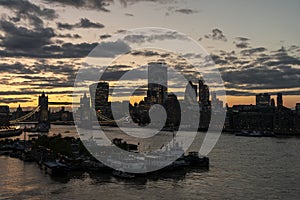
x=44, y=122
x=85, y=112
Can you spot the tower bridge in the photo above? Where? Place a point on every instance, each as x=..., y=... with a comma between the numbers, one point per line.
x=43, y=123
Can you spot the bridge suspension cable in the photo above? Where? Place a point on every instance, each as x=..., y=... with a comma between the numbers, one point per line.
x=23, y=118
x=124, y=119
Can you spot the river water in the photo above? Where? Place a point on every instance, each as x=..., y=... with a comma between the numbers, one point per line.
x=240, y=168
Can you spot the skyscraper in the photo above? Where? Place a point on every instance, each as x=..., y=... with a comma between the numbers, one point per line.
x=157, y=83
x=297, y=108
x=272, y=102
x=99, y=93
x=191, y=93
x=279, y=99
x=203, y=93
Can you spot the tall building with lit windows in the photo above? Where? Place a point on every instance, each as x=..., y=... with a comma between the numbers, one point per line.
x=157, y=83
x=99, y=93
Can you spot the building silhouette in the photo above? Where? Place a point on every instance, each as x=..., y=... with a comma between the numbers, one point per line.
x=191, y=92
x=203, y=94
x=263, y=116
x=84, y=112
x=272, y=102
x=157, y=83
x=43, y=115
x=297, y=108
x=4, y=116
x=263, y=99
x=99, y=93
x=279, y=99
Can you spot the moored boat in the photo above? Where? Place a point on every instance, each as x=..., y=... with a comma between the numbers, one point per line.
x=247, y=133
x=55, y=168
x=10, y=132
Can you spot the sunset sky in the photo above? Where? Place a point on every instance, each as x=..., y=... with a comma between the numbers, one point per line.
x=43, y=43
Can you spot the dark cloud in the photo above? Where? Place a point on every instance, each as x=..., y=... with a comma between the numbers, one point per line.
x=68, y=35
x=90, y=4
x=24, y=9
x=242, y=39
x=170, y=35
x=242, y=45
x=23, y=42
x=28, y=7
x=216, y=34
x=105, y=36
x=283, y=60
x=146, y=53
x=125, y=3
x=61, y=103
x=66, y=75
x=251, y=51
x=263, y=78
x=238, y=93
x=65, y=26
x=23, y=39
x=74, y=36
x=186, y=11
x=84, y=23
x=112, y=75
x=219, y=60
x=66, y=50
x=128, y=14
x=31, y=92
x=258, y=69
x=14, y=100
x=16, y=68
x=110, y=49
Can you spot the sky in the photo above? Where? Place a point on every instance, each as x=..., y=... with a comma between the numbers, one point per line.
x=43, y=43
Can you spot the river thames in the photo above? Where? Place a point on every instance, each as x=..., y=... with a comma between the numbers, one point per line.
x=240, y=168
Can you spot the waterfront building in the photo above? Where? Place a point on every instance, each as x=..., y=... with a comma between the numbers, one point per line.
x=297, y=117
x=251, y=117
x=283, y=120
x=4, y=116
x=263, y=117
x=297, y=108
x=263, y=99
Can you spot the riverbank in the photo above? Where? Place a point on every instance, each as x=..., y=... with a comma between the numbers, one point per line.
x=58, y=156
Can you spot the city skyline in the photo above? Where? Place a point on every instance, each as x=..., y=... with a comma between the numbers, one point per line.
x=43, y=45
